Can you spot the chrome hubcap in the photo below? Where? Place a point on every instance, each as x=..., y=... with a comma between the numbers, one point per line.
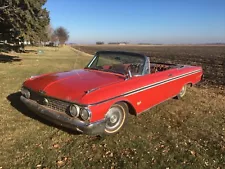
x=114, y=117
x=182, y=92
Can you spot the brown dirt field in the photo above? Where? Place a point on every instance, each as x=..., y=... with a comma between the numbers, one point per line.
x=210, y=57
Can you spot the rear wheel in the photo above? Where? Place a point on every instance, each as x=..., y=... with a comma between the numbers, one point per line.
x=115, y=118
x=182, y=92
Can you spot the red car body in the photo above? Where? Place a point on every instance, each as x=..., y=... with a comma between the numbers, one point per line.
x=98, y=90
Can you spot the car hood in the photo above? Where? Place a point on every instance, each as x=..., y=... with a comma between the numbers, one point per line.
x=72, y=85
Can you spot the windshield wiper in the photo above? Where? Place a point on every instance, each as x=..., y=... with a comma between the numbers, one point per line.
x=104, y=70
x=92, y=68
x=113, y=71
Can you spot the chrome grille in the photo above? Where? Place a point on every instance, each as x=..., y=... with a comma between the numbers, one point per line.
x=58, y=105
x=54, y=104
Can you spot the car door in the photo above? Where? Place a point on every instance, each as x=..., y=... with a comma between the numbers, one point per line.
x=152, y=89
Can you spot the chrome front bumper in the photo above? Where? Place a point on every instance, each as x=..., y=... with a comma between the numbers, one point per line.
x=63, y=119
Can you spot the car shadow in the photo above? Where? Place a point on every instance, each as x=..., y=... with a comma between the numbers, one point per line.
x=6, y=58
x=14, y=99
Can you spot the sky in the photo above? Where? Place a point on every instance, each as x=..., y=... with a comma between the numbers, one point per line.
x=143, y=21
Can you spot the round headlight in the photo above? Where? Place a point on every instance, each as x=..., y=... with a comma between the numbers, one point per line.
x=25, y=92
x=45, y=101
x=85, y=114
x=74, y=110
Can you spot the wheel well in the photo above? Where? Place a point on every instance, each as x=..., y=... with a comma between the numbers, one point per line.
x=190, y=84
x=131, y=109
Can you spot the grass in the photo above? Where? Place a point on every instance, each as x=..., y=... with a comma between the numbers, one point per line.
x=187, y=133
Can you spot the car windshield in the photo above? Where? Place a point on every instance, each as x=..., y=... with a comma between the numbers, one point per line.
x=118, y=62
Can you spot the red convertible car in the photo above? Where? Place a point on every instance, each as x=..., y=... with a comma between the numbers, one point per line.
x=97, y=99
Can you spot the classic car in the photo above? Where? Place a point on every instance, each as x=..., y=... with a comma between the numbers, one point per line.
x=97, y=99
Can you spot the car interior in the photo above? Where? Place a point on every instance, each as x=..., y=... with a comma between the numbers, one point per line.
x=157, y=67
x=121, y=63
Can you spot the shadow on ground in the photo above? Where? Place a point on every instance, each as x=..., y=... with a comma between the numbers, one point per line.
x=10, y=59
x=17, y=104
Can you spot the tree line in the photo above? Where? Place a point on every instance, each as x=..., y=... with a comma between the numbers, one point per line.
x=112, y=43
x=28, y=20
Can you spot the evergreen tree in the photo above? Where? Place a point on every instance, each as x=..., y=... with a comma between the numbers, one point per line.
x=23, y=19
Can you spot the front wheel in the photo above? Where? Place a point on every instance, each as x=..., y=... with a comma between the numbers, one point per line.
x=115, y=118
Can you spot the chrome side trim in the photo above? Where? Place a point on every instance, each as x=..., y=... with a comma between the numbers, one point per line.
x=149, y=86
x=160, y=83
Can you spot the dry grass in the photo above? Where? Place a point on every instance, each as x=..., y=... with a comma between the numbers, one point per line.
x=187, y=133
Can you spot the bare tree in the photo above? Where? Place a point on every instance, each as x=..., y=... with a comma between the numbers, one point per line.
x=62, y=34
